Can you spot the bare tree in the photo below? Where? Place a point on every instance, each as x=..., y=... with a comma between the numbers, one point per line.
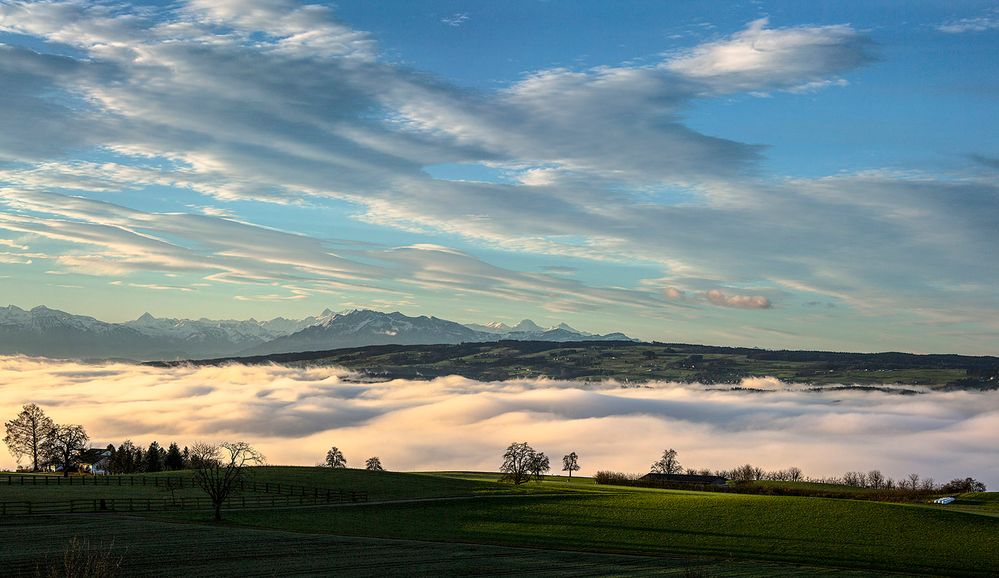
x=335, y=459
x=876, y=479
x=517, y=462
x=26, y=432
x=374, y=464
x=63, y=444
x=913, y=481
x=794, y=474
x=540, y=465
x=221, y=468
x=668, y=464
x=570, y=463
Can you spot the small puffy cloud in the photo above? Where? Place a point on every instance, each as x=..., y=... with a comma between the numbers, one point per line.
x=674, y=293
x=718, y=297
x=760, y=58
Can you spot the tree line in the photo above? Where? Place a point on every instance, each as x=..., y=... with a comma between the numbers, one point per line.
x=913, y=483
x=48, y=445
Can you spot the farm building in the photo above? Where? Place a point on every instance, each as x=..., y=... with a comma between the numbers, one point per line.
x=95, y=461
x=684, y=479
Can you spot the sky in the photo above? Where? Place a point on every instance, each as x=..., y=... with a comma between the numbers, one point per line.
x=293, y=415
x=803, y=175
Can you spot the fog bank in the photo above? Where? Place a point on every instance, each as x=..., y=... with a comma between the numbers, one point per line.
x=294, y=415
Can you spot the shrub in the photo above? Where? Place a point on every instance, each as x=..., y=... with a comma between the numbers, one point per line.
x=620, y=478
x=82, y=559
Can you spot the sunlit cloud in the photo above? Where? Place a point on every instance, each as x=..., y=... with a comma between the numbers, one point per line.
x=280, y=102
x=295, y=414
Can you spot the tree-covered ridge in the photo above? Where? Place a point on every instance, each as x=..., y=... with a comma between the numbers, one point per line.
x=628, y=361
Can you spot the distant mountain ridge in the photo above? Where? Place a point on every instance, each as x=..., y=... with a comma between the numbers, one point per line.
x=53, y=333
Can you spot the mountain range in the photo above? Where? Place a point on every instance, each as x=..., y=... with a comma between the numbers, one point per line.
x=53, y=333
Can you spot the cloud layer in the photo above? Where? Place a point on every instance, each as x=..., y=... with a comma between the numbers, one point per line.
x=295, y=414
x=273, y=101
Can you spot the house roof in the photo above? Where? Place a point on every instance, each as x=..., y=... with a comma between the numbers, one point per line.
x=93, y=455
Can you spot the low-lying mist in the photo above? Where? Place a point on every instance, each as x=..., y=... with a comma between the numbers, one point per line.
x=294, y=415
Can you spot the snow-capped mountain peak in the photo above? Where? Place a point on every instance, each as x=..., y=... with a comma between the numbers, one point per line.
x=528, y=326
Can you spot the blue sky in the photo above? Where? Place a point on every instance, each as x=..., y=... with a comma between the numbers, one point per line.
x=794, y=175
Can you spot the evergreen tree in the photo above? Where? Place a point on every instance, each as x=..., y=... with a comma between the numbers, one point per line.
x=154, y=463
x=174, y=460
x=123, y=461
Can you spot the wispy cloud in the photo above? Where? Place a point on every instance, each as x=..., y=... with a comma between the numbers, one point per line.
x=279, y=102
x=455, y=20
x=295, y=414
x=964, y=25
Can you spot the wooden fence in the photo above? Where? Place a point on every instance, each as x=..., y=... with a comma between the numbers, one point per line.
x=171, y=482
x=15, y=508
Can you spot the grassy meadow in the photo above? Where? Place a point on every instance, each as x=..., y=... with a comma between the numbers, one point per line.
x=472, y=524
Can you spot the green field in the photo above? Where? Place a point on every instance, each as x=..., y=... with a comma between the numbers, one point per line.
x=460, y=515
x=157, y=548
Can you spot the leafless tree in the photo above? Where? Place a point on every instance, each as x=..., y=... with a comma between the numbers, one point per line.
x=517, y=461
x=876, y=479
x=374, y=464
x=335, y=459
x=746, y=473
x=855, y=479
x=63, y=444
x=913, y=481
x=26, y=432
x=570, y=463
x=221, y=468
x=540, y=465
x=668, y=464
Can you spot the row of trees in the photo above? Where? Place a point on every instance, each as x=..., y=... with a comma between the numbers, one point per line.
x=34, y=435
x=129, y=458
x=336, y=459
x=218, y=468
x=522, y=463
x=874, y=479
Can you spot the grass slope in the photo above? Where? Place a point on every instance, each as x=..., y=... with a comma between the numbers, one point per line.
x=153, y=548
x=825, y=532
x=553, y=515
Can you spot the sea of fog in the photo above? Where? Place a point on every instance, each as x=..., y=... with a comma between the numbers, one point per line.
x=294, y=415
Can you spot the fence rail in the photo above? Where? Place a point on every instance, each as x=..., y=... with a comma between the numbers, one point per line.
x=15, y=508
x=170, y=482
